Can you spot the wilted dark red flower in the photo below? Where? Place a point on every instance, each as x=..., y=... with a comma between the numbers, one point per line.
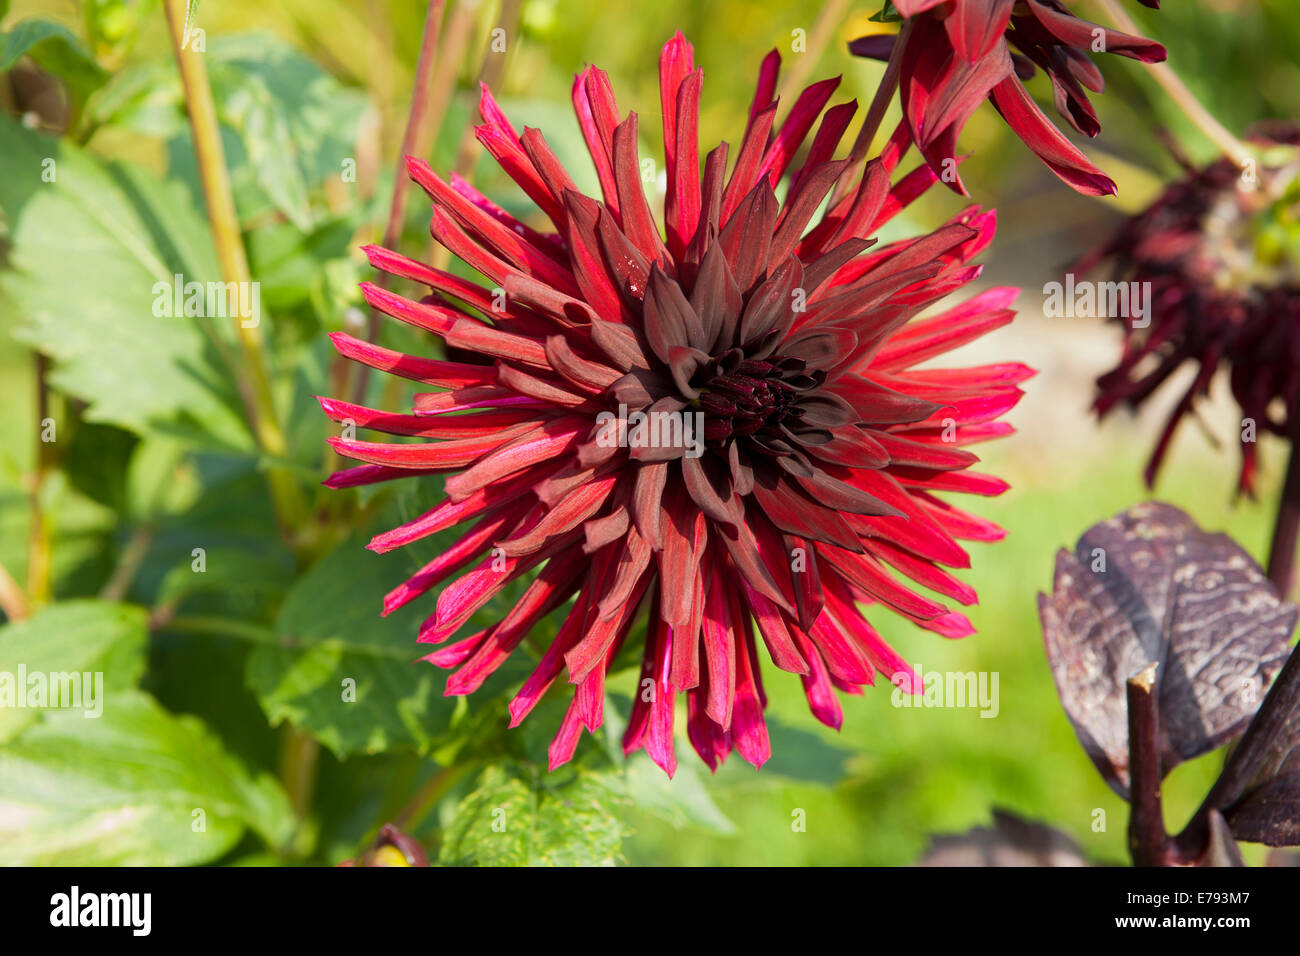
x=1220, y=251
x=813, y=487
x=957, y=53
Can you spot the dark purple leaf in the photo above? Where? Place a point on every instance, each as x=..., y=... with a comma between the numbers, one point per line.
x=1150, y=586
x=1269, y=812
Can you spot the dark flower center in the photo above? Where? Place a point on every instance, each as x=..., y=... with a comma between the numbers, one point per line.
x=752, y=397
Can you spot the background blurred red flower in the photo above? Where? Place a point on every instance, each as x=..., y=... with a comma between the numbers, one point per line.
x=1219, y=249
x=953, y=54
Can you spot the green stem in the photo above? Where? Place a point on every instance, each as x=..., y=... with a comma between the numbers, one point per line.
x=417, y=120
x=12, y=599
x=428, y=796
x=298, y=755
x=137, y=548
x=1183, y=98
x=213, y=626
x=831, y=16
x=38, y=538
x=253, y=378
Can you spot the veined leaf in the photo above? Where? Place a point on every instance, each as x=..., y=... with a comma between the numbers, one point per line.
x=62, y=644
x=136, y=786
x=89, y=247
x=515, y=818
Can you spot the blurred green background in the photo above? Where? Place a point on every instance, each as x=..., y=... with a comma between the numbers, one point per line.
x=335, y=75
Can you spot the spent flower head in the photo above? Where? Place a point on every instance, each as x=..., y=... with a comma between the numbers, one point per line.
x=1221, y=251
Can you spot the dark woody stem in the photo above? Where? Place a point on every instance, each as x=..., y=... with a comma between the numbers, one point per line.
x=1286, y=530
x=1147, y=841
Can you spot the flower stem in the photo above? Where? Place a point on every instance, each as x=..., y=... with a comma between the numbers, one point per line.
x=491, y=70
x=1147, y=841
x=1286, y=529
x=416, y=123
x=875, y=114
x=1183, y=98
x=830, y=17
x=452, y=50
x=253, y=379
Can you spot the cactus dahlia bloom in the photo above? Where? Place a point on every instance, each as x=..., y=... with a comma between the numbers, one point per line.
x=801, y=454
x=957, y=53
x=1221, y=252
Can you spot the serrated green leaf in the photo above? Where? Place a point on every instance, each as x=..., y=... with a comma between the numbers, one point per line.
x=330, y=631
x=519, y=816
x=87, y=251
x=124, y=790
x=296, y=123
x=73, y=638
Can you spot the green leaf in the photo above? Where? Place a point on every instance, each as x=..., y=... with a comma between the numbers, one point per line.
x=886, y=14
x=330, y=631
x=127, y=789
x=88, y=248
x=71, y=639
x=29, y=34
x=225, y=571
x=296, y=123
x=521, y=816
x=58, y=51
x=682, y=801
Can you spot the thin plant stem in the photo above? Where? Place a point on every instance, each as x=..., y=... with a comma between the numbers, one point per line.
x=299, y=753
x=830, y=17
x=253, y=378
x=875, y=115
x=1183, y=98
x=491, y=70
x=427, y=797
x=38, y=537
x=1286, y=529
x=137, y=549
x=12, y=599
x=417, y=120
x=490, y=73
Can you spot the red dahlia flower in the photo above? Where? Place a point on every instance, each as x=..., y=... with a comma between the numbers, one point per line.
x=957, y=53
x=1221, y=253
x=812, y=487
